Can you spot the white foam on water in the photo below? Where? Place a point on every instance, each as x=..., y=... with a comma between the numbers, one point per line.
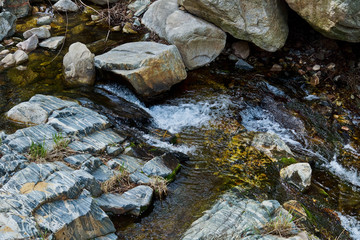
x=158, y=143
x=351, y=224
x=276, y=91
x=350, y=175
x=311, y=97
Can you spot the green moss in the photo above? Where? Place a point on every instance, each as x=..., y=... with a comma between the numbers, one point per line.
x=171, y=176
x=309, y=215
x=288, y=161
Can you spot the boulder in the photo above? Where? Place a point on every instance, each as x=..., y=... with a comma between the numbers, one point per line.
x=28, y=113
x=7, y=25
x=135, y=201
x=151, y=68
x=79, y=65
x=65, y=6
x=155, y=17
x=40, y=32
x=30, y=44
x=259, y=21
x=20, y=8
x=337, y=19
x=298, y=175
x=52, y=43
x=235, y=218
x=198, y=41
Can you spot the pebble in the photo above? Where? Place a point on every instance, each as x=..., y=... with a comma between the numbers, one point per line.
x=4, y=52
x=330, y=66
x=316, y=67
x=276, y=68
x=314, y=80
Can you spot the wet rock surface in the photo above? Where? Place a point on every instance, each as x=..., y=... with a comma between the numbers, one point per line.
x=65, y=198
x=151, y=68
x=7, y=24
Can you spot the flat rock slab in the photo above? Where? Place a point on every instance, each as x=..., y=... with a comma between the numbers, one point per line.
x=131, y=164
x=79, y=218
x=151, y=68
x=41, y=33
x=53, y=43
x=234, y=218
x=135, y=201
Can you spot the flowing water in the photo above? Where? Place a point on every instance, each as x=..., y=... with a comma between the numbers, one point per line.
x=212, y=113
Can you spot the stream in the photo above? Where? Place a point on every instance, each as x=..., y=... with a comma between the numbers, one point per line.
x=211, y=114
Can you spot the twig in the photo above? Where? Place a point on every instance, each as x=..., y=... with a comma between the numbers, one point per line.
x=62, y=46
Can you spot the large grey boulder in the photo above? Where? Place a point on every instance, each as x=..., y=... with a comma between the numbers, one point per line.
x=65, y=6
x=151, y=68
x=259, y=21
x=79, y=66
x=337, y=19
x=7, y=24
x=155, y=17
x=20, y=8
x=235, y=218
x=298, y=174
x=198, y=41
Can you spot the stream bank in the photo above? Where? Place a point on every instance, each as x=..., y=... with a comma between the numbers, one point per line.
x=214, y=114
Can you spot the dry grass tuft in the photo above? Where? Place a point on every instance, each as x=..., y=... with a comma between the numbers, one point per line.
x=117, y=14
x=159, y=184
x=118, y=183
x=283, y=225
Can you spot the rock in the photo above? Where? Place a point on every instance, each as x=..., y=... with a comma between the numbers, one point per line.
x=242, y=65
x=337, y=19
x=316, y=67
x=135, y=201
x=298, y=174
x=28, y=113
x=103, y=2
x=4, y=52
x=40, y=32
x=77, y=121
x=139, y=178
x=74, y=219
x=111, y=236
x=79, y=65
x=8, y=61
x=276, y=68
x=165, y=166
x=114, y=151
x=259, y=21
x=130, y=164
x=7, y=25
x=155, y=18
x=198, y=41
x=128, y=28
x=77, y=160
x=53, y=43
x=37, y=109
x=270, y=144
x=20, y=8
x=138, y=5
x=235, y=218
x=46, y=20
x=30, y=44
x=151, y=68
x=241, y=49
x=20, y=56
x=65, y=6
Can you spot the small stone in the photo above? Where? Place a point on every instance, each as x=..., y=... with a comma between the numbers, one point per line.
x=298, y=174
x=128, y=28
x=242, y=65
x=21, y=68
x=314, y=80
x=8, y=61
x=95, y=17
x=40, y=32
x=44, y=20
x=316, y=67
x=331, y=66
x=232, y=57
x=241, y=49
x=116, y=29
x=4, y=52
x=276, y=68
x=66, y=6
x=52, y=43
x=20, y=56
x=30, y=44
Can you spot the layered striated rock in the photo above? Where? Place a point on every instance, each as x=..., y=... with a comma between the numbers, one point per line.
x=234, y=217
x=7, y=24
x=151, y=68
x=337, y=19
x=259, y=21
x=20, y=8
x=79, y=65
x=198, y=41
